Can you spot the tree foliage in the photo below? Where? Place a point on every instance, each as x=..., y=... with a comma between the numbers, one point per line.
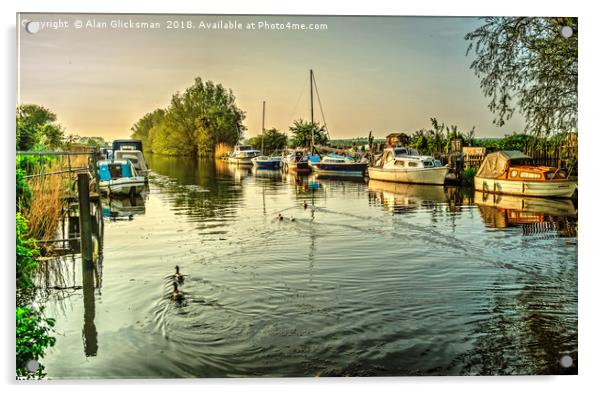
x=302, y=131
x=33, y=337
x=526, y=64
x=36, y=125
x=196, y=121
x=272, y=140
x=26, y=252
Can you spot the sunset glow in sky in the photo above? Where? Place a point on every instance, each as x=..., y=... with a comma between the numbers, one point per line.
x=373, y=73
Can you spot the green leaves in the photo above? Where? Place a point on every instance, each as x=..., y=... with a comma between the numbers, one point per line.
x=526, y=64
x=36, y=125
x=302, y=132
x=26, y=252
x=272, y=140
x=196, y=121
x=33, y=337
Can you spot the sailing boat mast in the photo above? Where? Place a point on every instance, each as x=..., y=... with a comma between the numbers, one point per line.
x=311, y=108
x=262, y=127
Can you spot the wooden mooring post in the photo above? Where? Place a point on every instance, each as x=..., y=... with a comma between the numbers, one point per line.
x=85, y=220
x=90, y=336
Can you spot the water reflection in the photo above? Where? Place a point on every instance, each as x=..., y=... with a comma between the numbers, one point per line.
x=123, y=207
x=370, y=278
x=534, y=215
x=400, y=197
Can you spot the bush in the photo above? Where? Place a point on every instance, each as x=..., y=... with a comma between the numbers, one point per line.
x=32, y=339
x=26, y=250
x=468, y=176
x=23, y=191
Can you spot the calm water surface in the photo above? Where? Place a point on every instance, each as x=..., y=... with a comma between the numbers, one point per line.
x=371, y=278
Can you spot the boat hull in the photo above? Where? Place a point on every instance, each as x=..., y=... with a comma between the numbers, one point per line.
x=124, y=186
x=297, y=166
x=415, y=176
x=331, y=169
x=266, y=164
x=551, y=188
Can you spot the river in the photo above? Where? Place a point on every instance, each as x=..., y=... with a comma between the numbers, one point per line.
x=369, y=278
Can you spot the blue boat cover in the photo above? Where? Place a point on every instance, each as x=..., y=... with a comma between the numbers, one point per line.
x=108, y=171
x=314, y=158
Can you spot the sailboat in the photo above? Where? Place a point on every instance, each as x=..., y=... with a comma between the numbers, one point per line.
x=331, y=164
x=263, y=161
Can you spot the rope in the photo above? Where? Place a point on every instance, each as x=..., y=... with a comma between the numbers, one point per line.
x=321, y=110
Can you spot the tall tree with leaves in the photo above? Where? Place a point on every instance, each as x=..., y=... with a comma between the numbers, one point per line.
x=37, y=125
x=302, y=131
x=527, y=64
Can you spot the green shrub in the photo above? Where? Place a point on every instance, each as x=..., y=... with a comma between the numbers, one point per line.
x=32, y=339
x=27, y=250
x=23, y=190
x=468, y=175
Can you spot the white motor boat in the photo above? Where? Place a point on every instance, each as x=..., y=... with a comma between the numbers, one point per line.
x=406, y=165
x=243, y=155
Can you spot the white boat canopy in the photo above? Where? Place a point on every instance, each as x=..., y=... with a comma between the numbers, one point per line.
x=495, y=164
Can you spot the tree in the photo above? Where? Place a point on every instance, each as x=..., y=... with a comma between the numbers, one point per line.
x=143, y=128
x=37, y=125
x=302, y=132
x=272, y=140
x=526, y=63
x=195, y=122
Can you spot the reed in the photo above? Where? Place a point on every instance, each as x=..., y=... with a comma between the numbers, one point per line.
x=222, y=150
x=45, y=210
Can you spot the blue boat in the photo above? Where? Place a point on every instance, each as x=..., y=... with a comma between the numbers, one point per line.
x=336, y=165
x=265, y=162
x=119, y=177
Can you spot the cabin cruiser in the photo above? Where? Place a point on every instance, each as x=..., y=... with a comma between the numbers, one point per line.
x=243, y=155
x=295, y=160
x=267, y=162
x=131, y=149
x=337, y=165
x=511, y=172
x=406, y=165
x=119, y=177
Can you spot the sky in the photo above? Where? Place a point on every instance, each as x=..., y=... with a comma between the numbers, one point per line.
x=379, y=74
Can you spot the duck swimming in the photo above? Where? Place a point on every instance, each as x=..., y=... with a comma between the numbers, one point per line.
x=280, y=217
x=177, y=276
x=176, y=295
x=305, y=205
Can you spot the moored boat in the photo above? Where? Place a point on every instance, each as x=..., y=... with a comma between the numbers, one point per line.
x=406, y=165
x=511, y=172
x=337, y=165
x=295, y=160
x=130, y=149
x=266, y=162
x=243, y=155
x=119, y=177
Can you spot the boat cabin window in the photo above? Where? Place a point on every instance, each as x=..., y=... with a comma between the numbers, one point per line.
x=530, y=175
x=388, y=157
x=244, y=148
x=401, y=151
x=412, y=164
x=115, y=171
x=400, y=163
x=513, y=173
x=427, y=164
x=437, y=163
